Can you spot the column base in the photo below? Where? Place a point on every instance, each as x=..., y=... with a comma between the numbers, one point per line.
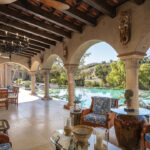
x=68, y=107
x=33, y=94
x=46, y=98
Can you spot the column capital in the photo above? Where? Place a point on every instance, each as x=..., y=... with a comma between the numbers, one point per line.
x=32, y=73
x=132, y=55
x=71, y=67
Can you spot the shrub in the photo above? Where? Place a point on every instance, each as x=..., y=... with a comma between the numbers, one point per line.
x=88, y=84
x=18, y=81
x=95, y=84
x=101, y=83
x=54, y=81
x=27, y=84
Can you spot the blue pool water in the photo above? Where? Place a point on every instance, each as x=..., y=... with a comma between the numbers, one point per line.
x=85, y=94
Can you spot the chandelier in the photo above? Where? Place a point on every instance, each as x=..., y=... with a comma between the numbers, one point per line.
x=13, y=45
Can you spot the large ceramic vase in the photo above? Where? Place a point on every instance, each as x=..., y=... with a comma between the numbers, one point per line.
x=128, y=131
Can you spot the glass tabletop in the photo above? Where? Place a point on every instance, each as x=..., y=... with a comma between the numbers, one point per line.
x=139, y=112
x=63, y=142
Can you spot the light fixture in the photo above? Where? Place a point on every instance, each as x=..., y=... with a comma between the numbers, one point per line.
x=13, y=44
x=6, y=1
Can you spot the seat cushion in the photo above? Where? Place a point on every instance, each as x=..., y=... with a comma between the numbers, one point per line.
x=5, y=146
x=101, y=105
x=147, y=137
x=95, y=118
x=113, y=102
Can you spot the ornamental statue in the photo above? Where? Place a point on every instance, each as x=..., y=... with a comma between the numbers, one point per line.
x=124, y=27
x=128, y=94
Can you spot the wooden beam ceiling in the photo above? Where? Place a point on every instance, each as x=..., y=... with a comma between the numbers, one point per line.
x=34, y=50
x=30, y=21
x=37, y=11
x=24, y=55
x=30, y=36
x=77, y=14
x=102, y=6
x=25, y=28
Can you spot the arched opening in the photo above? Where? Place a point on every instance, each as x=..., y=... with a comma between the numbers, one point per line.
x=12, y=73
x=144, y=81
x=57, y=77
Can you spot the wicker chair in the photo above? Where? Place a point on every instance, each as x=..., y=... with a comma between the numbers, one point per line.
x=145, y=137
x=99, y=115
x=4, y=98
x=13, y=96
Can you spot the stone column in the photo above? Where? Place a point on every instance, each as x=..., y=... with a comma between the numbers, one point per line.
x=71, y=85
x=46, y=82
x=33, y=81
x=132, y=67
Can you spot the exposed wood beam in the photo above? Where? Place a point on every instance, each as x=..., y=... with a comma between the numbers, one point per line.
x=4, y=10
x=37, y=11
x=23, y=55
x=26, y=54
x=22, y=33
x=102, y=6
x=77, y=14
x=29, y=52
x=26, y=28
x=42, y=45
x=28, y=20
x=36, y=47
x=34, y=50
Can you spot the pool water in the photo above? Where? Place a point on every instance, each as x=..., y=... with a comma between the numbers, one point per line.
x=85, y=94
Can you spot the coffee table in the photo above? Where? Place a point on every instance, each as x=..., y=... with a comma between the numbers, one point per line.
x=62, y=142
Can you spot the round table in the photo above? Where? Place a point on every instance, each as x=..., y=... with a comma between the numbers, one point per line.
x=128, y=127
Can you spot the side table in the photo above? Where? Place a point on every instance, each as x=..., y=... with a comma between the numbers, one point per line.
x=75, y=117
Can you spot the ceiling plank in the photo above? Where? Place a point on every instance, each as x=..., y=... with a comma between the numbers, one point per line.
x=102, y=6
x=139, y=2
x=30, y=36
x=77, y=14
x=26, y=28
x=37, y=11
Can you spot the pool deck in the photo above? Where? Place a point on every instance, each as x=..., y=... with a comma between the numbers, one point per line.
x=34, y=120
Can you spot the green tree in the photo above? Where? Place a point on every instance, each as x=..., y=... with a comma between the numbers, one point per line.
x=144, y=76
x=102, y=71
x=117, y=76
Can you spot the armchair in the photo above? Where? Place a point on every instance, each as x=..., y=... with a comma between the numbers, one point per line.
x=145, y=137
x=99, y=115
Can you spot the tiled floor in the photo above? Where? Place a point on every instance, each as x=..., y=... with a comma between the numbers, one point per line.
x=33, y=122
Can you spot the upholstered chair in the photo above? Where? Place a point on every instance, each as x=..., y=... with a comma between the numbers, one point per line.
x=145, y=137
x=99, y=115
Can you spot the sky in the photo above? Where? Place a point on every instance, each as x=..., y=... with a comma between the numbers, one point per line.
x=102, y=52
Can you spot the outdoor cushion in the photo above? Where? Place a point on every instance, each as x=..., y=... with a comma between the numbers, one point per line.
x=147, y=137
x=101, y=105
x=112, y=102
x=95, y=118
x=5, y=146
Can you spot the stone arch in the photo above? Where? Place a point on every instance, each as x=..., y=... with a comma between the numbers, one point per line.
x=50, y=60
x=16, y=63
x=75, y=59
x=35, y=66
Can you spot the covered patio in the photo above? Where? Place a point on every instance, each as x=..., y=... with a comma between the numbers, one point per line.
x=51, y=32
